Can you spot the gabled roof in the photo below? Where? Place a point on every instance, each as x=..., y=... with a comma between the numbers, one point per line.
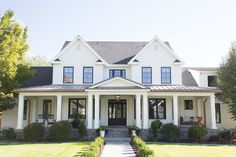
x=188, y=79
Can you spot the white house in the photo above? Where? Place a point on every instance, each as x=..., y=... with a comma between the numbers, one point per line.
x=119, y=83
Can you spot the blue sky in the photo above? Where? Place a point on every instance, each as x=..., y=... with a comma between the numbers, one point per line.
x=200, y=31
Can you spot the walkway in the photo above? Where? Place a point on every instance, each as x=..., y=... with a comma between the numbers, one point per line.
x=118, y=149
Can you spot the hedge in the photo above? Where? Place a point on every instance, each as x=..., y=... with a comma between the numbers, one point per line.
x=142, y=149
x=95, y=148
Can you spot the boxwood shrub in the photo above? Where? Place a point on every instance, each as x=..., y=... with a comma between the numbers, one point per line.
x=154, y=126
x=60, y=131
x=33, y=132
x=170, y=132
x=94, y=148
x=8, y=134
x=197, y=133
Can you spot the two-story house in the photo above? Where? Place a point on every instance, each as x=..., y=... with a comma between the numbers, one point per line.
x=119, y=83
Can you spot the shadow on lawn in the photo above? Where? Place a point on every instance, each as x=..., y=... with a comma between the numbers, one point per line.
x=189, y=144
x=80, y=153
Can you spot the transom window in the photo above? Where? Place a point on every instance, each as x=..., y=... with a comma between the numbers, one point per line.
x=146, y=75
x=218, y=113
x=77, y=107
x=88, y=75
x=117, y=72
x=165, y=75
x=157, y=108
x=212, y=81
x=68, y=74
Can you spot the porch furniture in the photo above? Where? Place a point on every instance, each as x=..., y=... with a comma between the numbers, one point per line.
x=49, y=118
x=191, y=120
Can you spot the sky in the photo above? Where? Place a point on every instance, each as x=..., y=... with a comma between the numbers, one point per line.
x=199, y=31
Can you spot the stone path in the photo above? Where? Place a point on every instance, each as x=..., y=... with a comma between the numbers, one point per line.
x=118, y=149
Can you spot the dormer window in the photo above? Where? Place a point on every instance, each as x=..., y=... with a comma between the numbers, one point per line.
x=212, y=81
x=117, y=73
x=68, y=74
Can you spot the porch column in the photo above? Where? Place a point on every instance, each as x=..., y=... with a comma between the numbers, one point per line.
x=59, y=97
x=97, y=111
x=138, y=111
x=175, y=110
x=20, y=112
x=90, y=111
x=145, y=111
x=212, y=112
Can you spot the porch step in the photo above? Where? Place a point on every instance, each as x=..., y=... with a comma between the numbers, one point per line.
x=117, y=132
x=117, y=139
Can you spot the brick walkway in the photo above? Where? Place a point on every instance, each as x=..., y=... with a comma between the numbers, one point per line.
x=118, y=149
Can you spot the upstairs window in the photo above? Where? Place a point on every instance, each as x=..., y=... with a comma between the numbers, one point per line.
x=68, y=75
x=88, y=75
x=117, y=72
x=165, y=75
x=146, y=75
x=212, y=81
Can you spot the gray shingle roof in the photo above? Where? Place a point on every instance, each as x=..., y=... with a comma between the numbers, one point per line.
x=188, y=79
x=116, y=52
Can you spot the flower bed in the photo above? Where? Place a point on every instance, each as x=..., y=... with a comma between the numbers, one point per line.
x=95, y=148
x=141, y=149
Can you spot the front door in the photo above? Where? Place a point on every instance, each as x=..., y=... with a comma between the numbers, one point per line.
x=116, y=112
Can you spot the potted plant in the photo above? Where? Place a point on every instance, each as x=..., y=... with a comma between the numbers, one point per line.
x=102, y=130
x=133, y=130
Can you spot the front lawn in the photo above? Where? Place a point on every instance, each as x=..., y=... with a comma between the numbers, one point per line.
x=16, y=149
x=192, y=150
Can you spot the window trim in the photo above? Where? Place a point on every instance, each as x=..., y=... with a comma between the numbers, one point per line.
x=157, y=108
x=64, y=74
x=219, y=112
x=69, y=106
x=170, y=76
x=117, y=76
x=142, y=75
x=84, y=75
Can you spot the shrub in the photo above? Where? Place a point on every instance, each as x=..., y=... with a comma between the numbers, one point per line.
x=170, y=132
x=142, y=148
x=82, y=130
x=197, y=133
x=227, y=135
x=154, y=126
x=60, y=131
x=133, y=127
x=94, y=148
x=8, y=134
x=33, y=132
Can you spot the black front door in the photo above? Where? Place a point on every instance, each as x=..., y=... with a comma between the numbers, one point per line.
x=116, y=112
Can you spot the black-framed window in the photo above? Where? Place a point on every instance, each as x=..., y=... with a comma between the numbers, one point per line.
x=47, y=107
x=68, y=74
x=157, y=108
x=117, y=72
x=146, y=75
x=94, y=108
x=88, y=75
x=212, y=80
x=166, y=75
x=188, y=104
x=77, y=106
x=134, y=108
x=218, y=113
x=25, y=109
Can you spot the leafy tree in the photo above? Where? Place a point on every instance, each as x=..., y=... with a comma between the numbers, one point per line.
x=227, y=80
x=37, y=60
x=13, y=47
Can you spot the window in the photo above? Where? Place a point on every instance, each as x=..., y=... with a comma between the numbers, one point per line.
x=212, y=81
x=157, y=108
x=68, y=75
x=47, y=107
x=165, y=75
x=77, y=107
x=146, y=75
x=188, y=104
x=88, y=75
x=25, y=109
x=117, y=72
x=218, y=113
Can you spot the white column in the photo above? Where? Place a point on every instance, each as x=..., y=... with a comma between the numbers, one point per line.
x=212, y=112
x=145, y=111
x=138, y=111
x=97, y=111
x=59, y=97
x=175, y=110
x=20, y=112
x=90, y=111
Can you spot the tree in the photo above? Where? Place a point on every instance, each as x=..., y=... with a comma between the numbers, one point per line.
x=37, y=61
x=13, y=69
x=227, y=80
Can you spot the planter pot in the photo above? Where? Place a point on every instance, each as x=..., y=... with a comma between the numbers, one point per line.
x=102, y=133
x=133, y=132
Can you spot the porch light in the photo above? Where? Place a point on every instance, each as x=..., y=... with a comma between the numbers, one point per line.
x=117, y=97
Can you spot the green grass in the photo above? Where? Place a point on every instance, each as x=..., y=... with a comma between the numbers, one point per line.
x=16, y=149
x=193, y=150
